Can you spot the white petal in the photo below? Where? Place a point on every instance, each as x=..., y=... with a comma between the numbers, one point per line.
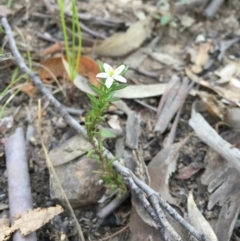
x=107, y=67
x=102, y=75
x=109, y=82
x=120, y=78
x=119, y=69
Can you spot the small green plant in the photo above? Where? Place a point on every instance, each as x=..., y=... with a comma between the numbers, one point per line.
x=15, y=79
x=73, y=57
x=109, y=84
x=165, y=15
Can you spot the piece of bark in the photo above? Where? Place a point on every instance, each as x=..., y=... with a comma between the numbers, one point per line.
x=133, y=130
x=171, y=106
x=19, y=192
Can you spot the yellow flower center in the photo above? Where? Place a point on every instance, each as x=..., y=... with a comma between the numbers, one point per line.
x=111, y=73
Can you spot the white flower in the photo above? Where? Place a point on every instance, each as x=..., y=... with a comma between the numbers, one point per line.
x=110, y=74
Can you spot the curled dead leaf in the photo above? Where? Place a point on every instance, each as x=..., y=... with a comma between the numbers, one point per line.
x=87, y=67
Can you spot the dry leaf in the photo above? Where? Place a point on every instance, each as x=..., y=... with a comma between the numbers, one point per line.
x=56, y=47
x=231, y=94
x=186, y=20
x=140, y=230
x=121, y=44
x=29, y=89
x=198, y=221
x=114, y=122
x=200, y=56
x=161, y=168
x=232, y=117
x=213, y=105
x=87, y=67
x=226, y=73
x=167, y=59
x=131, y=92
x=188, y=171
x=4, y=11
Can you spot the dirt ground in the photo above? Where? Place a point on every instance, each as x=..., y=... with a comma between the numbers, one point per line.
x=35, y=28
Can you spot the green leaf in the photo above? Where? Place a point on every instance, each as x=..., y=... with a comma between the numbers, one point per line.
x=166, y=19
x=113, y=99
x=96, y=89
x=100, y=65
x=119, y=87
x=90, y=152
x=93, y=99
x=107, y=133
x=110, y=95
x=125, y=70
x=156, y=16
x=173, y=24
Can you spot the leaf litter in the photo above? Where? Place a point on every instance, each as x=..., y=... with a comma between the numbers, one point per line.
x=211, y=63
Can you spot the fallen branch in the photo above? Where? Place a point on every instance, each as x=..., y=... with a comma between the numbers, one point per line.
x=126, y=173
x=19, y=193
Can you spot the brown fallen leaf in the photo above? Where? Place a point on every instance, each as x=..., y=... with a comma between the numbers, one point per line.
x=87, y=67
x=213, y=105
x=161, y=168
x=188, y=171
x=200, y=56
x=121, y=44
x=29, y=89
x=56, y=47
x=227, y=92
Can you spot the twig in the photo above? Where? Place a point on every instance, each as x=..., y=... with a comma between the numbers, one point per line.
x=139, y=194
x=75, y=125
x=20, y=198
x=104, y=212
x=116, y=233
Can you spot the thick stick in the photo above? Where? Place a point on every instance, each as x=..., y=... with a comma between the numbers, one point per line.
x=19, y=193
